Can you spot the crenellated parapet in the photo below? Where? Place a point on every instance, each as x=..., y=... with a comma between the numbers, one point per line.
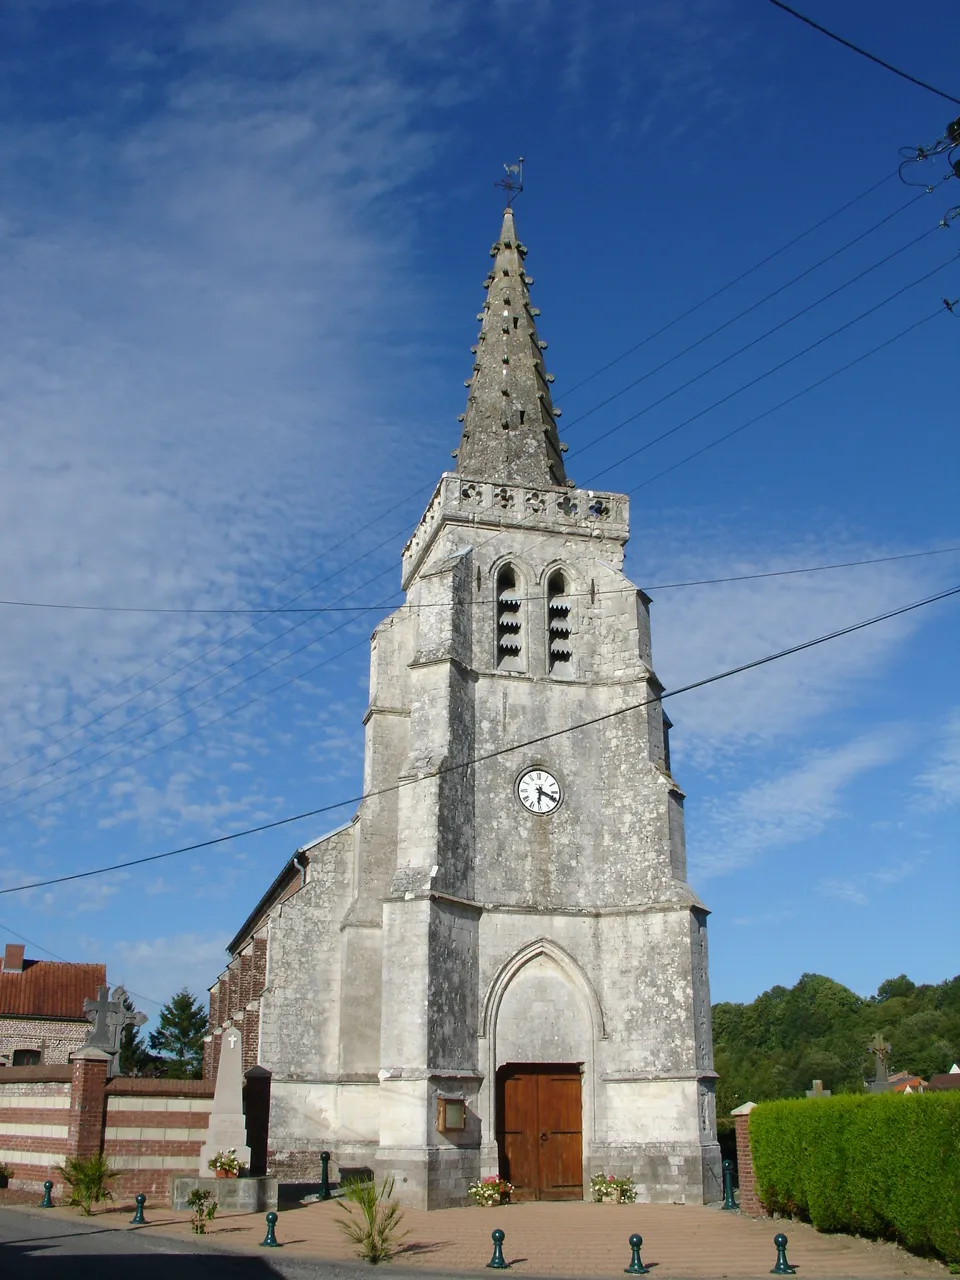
x=586, y=513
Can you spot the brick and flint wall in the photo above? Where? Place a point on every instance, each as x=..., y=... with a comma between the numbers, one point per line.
x=53, y=1038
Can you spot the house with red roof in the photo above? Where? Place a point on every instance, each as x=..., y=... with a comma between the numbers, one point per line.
x=41, y=1008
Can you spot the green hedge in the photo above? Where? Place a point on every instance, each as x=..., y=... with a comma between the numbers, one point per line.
x=884, y=1165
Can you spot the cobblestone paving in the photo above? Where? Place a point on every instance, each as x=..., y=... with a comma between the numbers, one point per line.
x=573, y=1239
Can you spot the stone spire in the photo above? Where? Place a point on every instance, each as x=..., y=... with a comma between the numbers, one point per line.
x=509, y=428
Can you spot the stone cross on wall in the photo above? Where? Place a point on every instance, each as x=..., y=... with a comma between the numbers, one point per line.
x=880, y=1048
x=109, y=1015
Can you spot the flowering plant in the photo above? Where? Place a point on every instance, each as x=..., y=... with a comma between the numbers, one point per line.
x=490, y=1191
x=606, y=1186
x=228, y=1161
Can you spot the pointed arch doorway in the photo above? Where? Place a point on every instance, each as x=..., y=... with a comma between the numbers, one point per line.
x=540, y=1129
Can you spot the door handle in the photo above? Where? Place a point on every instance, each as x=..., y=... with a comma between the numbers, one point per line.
x=543, y=1137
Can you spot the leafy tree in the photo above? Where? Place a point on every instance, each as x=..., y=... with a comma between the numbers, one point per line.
x=178, y=1037
x=135, y=1058
x=778, y=1044
x=901, y=986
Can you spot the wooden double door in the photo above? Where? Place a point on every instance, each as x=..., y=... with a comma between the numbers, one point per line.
x=540, y=1130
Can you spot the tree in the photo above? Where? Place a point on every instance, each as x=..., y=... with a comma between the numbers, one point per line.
x=178, y=1037
x=135, y=1058
x=777, y=1045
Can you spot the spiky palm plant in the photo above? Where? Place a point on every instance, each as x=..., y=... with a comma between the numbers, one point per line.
x=375, y=1230
x=87, y=1178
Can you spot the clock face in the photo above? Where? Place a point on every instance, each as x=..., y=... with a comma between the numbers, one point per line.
x=539, y=791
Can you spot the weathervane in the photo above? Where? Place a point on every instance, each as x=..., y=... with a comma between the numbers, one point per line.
x=512, y=184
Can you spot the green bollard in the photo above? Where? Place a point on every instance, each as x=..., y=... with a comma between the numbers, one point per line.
x=138, y=1220
x=269, y=1241
x=47, y=1202
x=324, y=1175
x=728, y=1201
x=497, y=1262
x=636, y=1267
x=783, y=1267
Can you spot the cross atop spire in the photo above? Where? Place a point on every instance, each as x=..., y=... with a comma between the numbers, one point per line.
x=509, y=428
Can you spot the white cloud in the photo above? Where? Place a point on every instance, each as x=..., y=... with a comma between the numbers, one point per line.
x=186, y=328
x=856, y=889
x=782, y=811
x=843, y=890
x=939, y=784
x=703, y=630
x=158, y=967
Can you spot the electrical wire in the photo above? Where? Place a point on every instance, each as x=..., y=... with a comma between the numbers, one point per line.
x=387, y=604
x=728, y=435
x=497, y=753
x=42, y=747
x=729, y=285
x=121, y=746
x=848, y=44
x=314, y=612
x=442, y=604
x=753, y=307
x=5, y=928
x=761, y=377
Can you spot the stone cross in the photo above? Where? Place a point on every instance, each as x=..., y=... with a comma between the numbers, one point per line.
x=880, y=1048
x=227, y=1127
x=818, y=1091
x=109, y=1015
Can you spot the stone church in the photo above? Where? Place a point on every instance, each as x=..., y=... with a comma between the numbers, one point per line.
x=498, y=965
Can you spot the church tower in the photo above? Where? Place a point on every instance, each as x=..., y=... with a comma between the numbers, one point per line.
x=498, y=966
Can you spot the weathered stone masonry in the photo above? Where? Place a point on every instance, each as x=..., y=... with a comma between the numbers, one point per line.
x=448, y=934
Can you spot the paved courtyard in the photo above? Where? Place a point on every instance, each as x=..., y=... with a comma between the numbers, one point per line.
x=556, y=1239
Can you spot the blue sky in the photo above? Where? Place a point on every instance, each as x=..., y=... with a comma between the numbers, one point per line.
x=241, y=252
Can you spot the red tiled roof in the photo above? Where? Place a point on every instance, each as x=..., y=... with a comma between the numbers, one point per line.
x=47, y=989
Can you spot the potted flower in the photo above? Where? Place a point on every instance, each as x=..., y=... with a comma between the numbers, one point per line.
x=490, y=1191
x=225, y=1164
x=607, y=1188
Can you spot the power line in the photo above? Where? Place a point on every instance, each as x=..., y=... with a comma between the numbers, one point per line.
x=864, y=53
x=783, y=403
x=441, y=604
x=498, y=752
x=315, y=612
x=5, y=928
x=190, y=710
x=815, y=568
x=761, y=376
x=671, y=431
x=753, y=307
x=213, y=649
x=43, y=747
x=729, y=285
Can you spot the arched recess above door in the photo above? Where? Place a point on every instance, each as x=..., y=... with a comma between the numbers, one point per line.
x=567, y=967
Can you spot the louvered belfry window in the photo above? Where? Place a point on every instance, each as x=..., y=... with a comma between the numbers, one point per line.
x=559, y=628
x=509, y=620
